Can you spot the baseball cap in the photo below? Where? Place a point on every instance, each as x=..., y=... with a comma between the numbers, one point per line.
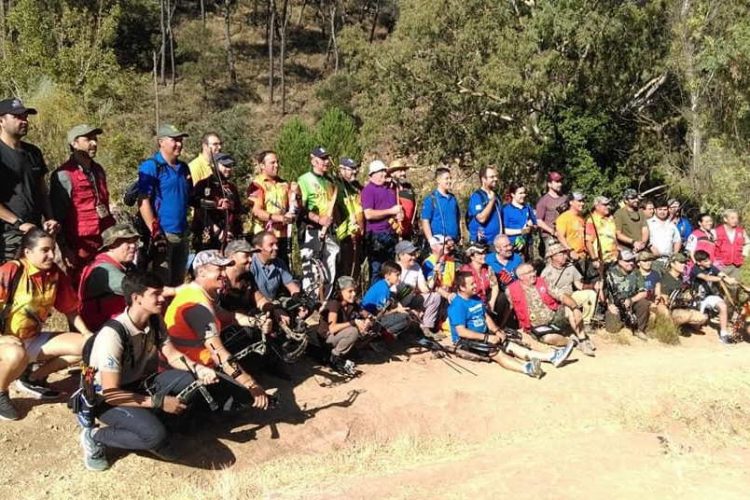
x=320, y=152
x=577, y=196
x=626, y=255
x=476, y=248
x=555, y=249
x=224, y=159
x=398, y=164
x=82, y=130
x=14, y=106
x=169, y=130
x=405, y=246
x=602, y=200
x=629, y=194
x=211, y=257
x=348, y=163
x=645, y=255
x=240, y=245
x=346, y=282
x=438, y=239
x=122, y=231
x=672, y=201
x=375, y=167
x=554, y=176
x=678, y=257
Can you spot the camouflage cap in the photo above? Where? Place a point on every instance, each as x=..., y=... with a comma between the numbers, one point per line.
x=555, y=249
x=644, y=255
x=241, y=245
x=678, y=257
x=122, y=231
x=211, y=257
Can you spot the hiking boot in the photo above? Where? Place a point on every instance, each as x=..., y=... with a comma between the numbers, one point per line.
x=343, y=367
x=640, y=335
x=587, y=347
x=37, y=389
x=563, y=353
x=533, y=368
x=7, y=410
x=726, y=339
x=94, y=457
x=589, y=330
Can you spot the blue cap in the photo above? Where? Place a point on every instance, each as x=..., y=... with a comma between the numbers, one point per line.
x=320, y=152
x=224, y=159
x=348, y=163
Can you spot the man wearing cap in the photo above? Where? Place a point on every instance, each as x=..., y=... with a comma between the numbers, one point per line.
x=240, y=293
x=318, y=195
x=483, y=215
x=194, y=323
x=80, y=200
x=349, y=220
x=675, y=216
x=565, y=281
x=201, y=167
x=682, y=310
x=23, y=192
x=645, y=261
x=628, y=289
x=570, y=229
x=164, y=187
x=664, y=237
x=441, y=214
x=218, y=208
x=273, y=201
x=383, y=215
x=405, y=196
x=601, y=233
x=547, y=206
x=269, y=272
x=632, y=229
x=421, y=298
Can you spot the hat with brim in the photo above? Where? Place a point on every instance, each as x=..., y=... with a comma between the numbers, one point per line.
x=645, y=256
x=15, y=107
x=211, y=258
x=475, y=249
x=405, y=246
x=118, y=232
x=348, y=163
x=375, y=167
x=224, y=159
x=555, y=249
x=82, y=131
x=241, y=245
x=320, y=152
x=626, y=255
x=169, y=130
x=602, y=200
x=398, y=164
x=678, y=257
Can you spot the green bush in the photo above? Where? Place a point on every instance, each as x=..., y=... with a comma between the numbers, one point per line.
x=295, y=140
x=337, y=132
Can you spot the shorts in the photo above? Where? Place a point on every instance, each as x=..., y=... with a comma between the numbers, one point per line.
x=711, y=302
x=33, y=346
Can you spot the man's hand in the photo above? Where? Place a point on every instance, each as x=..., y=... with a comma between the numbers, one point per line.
x=51, y=226
x=26, y=227
x=206, y=375
x=638, y=246
x=289, y=218
x=613, y=309
x=363, y=325
x=261, y=398
x=173, y=405
x=324, y=220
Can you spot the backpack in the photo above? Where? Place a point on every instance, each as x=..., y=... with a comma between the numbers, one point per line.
x=130, y=197
x=128, y=357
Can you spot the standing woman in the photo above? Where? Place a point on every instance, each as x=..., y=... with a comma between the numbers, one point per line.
x=519, y=219
x=30, y=288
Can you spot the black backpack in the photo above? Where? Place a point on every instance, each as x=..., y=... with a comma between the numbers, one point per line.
x=130, y=197
x=128, y=356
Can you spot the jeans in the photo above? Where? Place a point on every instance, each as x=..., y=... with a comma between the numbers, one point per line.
x=380, y=248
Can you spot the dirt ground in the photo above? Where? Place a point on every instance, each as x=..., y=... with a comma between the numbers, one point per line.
x=638, y=421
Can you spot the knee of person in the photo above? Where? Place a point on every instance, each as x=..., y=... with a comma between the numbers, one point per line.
x=13, y=355
x=153, y=436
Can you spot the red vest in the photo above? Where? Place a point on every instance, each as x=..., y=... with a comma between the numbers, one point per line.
x=705, y=242
x=521, y=308
x=82, y=222
x=727, y=252
x=96, y=310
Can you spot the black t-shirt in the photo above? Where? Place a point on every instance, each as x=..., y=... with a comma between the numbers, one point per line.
x=22, y=170
x=344, y=314
x=669, y=284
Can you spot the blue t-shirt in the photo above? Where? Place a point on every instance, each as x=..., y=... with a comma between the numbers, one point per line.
x=269, y=278
x=685, y=228
x=377, y=297
x=650, y=280
x=516, y=218
x=497, y=266
x=443, y=213
x=468, y=313
x=169, y=189
x=483, y=232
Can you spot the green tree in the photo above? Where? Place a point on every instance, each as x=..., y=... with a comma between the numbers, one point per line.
x=293, y=144
x=337, y=132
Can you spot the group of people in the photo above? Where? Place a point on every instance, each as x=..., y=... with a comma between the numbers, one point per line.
x=148, y=334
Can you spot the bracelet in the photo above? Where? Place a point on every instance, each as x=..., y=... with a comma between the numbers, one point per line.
x=486, y=338
x=157, y=401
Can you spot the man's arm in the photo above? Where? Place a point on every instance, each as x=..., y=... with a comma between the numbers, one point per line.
x=486, y=213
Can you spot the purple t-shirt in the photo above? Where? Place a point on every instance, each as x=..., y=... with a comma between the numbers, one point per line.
x=546, y=208
x=378, y=198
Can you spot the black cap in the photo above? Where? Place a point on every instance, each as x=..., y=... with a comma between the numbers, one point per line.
x=224, y=159
x=320, y=152
x=14, y=106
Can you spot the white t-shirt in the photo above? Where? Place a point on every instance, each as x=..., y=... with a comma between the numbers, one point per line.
x=414, y=277
x=662, y=236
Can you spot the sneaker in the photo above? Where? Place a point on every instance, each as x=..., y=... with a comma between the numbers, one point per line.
x=587, y=347
x=7, y=410
x=343, y=367
x=37, y=389
x=94, y=457
x=726, y=339
x=640, y=335
x=563, y=353
x=533, y=368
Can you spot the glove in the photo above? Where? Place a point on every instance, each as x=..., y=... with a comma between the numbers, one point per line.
x=505, y=277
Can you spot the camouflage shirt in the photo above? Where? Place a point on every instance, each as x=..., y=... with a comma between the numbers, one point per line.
x=623, y=285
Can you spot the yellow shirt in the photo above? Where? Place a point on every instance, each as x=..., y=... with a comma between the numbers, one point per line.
x=273, y=196
x=199, y=169
x=602, y=229
x=191, y=320
x=352, y=213
x=572, y=227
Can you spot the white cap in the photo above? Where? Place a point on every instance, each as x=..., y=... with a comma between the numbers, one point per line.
x=375, y=167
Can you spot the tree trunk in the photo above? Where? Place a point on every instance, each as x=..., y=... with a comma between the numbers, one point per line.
x=334, y=43
x=695, y=126
x=172, y=9
x=203, y=12
x=375, y=21
x=163, y=49
x=228, y=43
x=156, y=93
x=282, y=56
x=2, y=28
x=301, y=13
x=270, y=30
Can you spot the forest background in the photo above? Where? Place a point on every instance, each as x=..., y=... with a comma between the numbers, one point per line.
x=613, y=94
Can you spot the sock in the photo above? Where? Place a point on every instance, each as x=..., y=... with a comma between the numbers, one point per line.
x=724, y=333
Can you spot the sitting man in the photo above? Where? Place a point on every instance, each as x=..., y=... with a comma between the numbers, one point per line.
x=132, y=417
x=268, y=271
x=645, y=261
x=471, y=324
x=440, y=266
x=420, y=297
x=393, y=318
x=195, y=322
x=708, y=279
x=342, y=322
x=240, y=293
x=543, y=316
x=504, y=261
x=671, y=302
x=565, y=280
x=628, y=303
